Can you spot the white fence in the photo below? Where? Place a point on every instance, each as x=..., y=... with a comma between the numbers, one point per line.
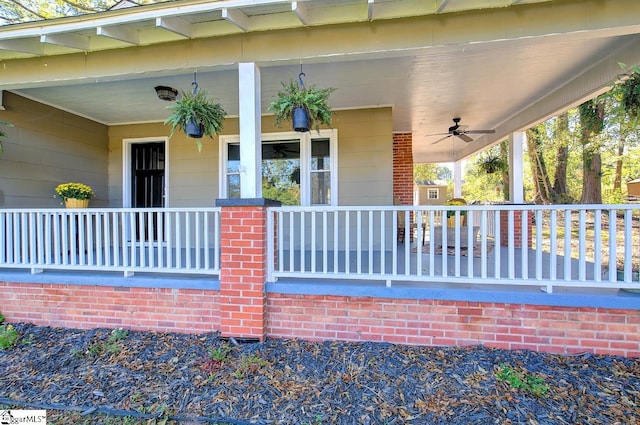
x=567, y=245
x=168, y=240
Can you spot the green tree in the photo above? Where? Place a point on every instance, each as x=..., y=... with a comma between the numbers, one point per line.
x=422, y=172
x=562, y=137
x=591, y=124
x=536, y=144
x=624, y=116
x=16, y=11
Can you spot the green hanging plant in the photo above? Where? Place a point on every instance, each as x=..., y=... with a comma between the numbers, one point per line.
x=492, y=164
x=630, y=91
x=196, y=109
x=294, y=94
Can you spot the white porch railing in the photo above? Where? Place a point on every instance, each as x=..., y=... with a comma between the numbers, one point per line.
x=566, y=245
x=171, y=240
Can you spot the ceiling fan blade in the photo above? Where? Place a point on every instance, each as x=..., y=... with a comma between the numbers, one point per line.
x=480, y=132
x=436, y=134
x=440, y=140
x=465, y=138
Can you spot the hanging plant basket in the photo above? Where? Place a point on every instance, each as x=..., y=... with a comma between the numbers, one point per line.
x=300, y=120
x=194, y=130
x=196, y=114
x=305, y=107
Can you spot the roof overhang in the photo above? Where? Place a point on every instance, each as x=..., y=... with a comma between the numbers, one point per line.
x=497, y=64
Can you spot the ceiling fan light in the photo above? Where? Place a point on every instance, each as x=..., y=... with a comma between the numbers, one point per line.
x=166, y=93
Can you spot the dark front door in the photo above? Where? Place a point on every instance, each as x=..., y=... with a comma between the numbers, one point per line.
x=147, y=184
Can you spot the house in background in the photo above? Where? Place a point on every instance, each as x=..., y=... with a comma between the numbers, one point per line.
x=429, y=192
x=201, y=249
x=633, y=189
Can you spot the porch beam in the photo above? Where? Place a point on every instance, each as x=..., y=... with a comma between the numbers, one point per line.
x=27, y=45
x=72, y=41
x=301, y=11
x=516, y=152
x=175, y=25
x=250, y=130
x=236, y=17
x=370, y=4
x=120, y=33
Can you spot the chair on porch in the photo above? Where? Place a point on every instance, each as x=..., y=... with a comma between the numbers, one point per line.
x=412, y=225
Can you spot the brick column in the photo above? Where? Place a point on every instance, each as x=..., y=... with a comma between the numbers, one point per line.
x=517, y=228
x=403, y=168
x=243, y=267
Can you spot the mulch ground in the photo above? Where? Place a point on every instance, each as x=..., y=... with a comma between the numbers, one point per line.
x=202, y=378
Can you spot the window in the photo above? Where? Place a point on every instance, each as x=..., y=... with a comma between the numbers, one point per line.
x=297, y=168
x=433, y=193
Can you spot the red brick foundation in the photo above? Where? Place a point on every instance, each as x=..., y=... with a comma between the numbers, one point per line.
x=446, y=323
x=565, y=330
x=88, y=307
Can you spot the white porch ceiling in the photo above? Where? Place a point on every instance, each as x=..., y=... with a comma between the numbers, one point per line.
x=503, y=81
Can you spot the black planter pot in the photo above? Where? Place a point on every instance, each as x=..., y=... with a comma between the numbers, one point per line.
x=194, y=129
x=300, y=120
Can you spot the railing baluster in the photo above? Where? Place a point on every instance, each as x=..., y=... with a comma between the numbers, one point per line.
x=394, y=243
x=582, y=261
x=432, y=244
x=313, y=241
x=419, y=240
x=370, y=237
x=187, y=244
x=171, y=249
x=178, y=230
x=597, y=245
x=292, y=218
x=628, y=240
x=553, y=243
x=497, y=244
x=511, y=273
x=359, y=242
x=280, y=239
x=524, y=243
x=336, y=242
x=325, y=241
x=445, y=245
x=471, y=243
x=539, y=226
x=347, y=243
x=567, y=244
x=484, y=253
x=383, y=245
x=303, y=248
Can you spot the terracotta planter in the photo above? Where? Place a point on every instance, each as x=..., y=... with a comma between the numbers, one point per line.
x=76, y=203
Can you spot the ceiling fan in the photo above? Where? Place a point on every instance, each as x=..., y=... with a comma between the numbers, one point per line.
x=460, y=131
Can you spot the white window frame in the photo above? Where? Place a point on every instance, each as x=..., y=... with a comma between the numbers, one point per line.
x=305, y=160
x=431, y=190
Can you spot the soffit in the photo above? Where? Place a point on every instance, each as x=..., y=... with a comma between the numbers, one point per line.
x=502, y=77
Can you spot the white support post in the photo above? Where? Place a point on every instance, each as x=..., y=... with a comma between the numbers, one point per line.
x=457, y=179
x=516, y=152
x=250, y=130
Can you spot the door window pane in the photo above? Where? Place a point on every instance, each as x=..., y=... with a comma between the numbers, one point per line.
x=321, y=188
